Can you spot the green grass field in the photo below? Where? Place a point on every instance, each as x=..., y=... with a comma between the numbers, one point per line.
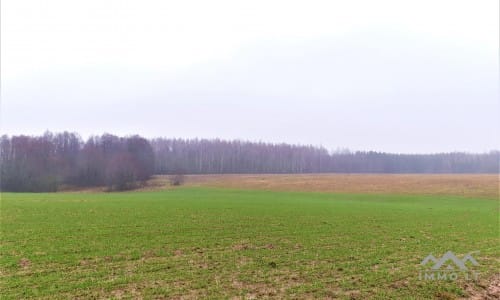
x=217, y=243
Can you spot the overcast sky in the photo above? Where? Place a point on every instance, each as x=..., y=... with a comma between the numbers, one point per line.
x=400, y=76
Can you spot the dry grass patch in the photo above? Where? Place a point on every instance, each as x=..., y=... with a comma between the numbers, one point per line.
x=468, y=185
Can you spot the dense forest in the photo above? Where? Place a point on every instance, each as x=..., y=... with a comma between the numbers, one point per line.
x=44, y=163
x=217, y=156
x=50, y=161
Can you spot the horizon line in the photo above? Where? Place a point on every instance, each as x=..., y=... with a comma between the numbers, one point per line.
x=336, y=150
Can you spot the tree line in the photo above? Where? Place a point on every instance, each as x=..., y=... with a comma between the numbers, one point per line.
x=45, y=163
x=51, y=161
x=203, y=156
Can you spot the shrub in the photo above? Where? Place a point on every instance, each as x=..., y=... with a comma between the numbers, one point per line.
x=176, y=180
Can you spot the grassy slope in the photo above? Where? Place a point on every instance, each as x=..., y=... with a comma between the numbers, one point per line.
x=208, y=242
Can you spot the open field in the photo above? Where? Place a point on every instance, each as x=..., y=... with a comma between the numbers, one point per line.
x=198, y=242
x=468, y=185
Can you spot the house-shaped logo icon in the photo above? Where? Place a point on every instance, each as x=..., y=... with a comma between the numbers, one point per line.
x=449, y=261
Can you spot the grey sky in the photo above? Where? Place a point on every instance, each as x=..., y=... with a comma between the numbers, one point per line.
x=399, y=76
